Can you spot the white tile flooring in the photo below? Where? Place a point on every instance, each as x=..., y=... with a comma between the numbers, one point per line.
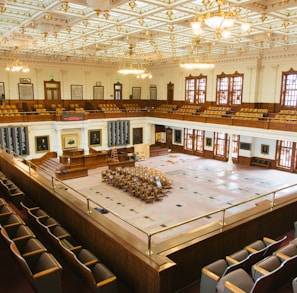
x=200, y=186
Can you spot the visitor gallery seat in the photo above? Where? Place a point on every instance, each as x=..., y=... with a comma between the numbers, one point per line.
x=6, y=210
x=46, y=222
x=98, y=277
x=11, y=220
x=16, y=233
x=240, y=281
x=212, y=273
x=43, y=272
x=61, y=237
x=265, y=266
x=30, y=247
x=286, y=252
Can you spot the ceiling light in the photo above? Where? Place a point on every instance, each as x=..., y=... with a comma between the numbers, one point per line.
x=196, y=65
x=130, y=66
x=218, y=20
x=246, y=26
x=192, y=60
x=145, y=74
x=16, y=66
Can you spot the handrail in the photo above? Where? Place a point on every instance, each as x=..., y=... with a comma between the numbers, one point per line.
x=159, y=231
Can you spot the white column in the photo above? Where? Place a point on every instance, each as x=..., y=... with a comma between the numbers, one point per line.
x=85, y=139
x=57, y=140
x=230, y=162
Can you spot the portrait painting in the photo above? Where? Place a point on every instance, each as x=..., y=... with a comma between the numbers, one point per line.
x=42, y=143
x=95, y=137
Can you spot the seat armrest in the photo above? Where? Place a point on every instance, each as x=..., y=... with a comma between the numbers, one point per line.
x=260, y=270
x=231, y=260
x=33, y=253
x=22, y=238
x=210, y=274
x=233, y=288
x=268, y=240
x=282, y=256
x=74, y=248
x=251, y=249
x=106, y=281
x=91, y=262
x=46, y=272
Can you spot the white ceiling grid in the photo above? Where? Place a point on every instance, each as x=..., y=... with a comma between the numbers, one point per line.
x=159, y=30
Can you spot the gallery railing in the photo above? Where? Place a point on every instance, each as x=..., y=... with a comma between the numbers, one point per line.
x=190, y=229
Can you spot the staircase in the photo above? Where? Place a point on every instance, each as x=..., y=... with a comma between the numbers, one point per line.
x=49, y=166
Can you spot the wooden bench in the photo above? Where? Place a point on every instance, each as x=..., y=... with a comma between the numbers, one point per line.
x=261, y=162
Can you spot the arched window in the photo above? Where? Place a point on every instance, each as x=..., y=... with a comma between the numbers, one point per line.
x=289, y=89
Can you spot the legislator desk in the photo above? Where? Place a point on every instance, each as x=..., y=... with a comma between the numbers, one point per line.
x=72, y=157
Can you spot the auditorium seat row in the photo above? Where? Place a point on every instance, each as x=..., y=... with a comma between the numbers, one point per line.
x=96, y=275
x=243, y=259
x=9, y=189
x=40, y=268
x=270, y=273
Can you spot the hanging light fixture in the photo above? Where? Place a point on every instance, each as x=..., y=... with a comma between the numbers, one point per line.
x=145, y=74
x=219, y=20
x=17, y=65
x=192, y=61
x=130, y=66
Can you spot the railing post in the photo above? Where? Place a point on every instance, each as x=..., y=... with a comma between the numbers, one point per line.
x=149, y=245
x=273, y=199
x=223, y=219
x=53, y=183
x=88, y=206
x=29, y=164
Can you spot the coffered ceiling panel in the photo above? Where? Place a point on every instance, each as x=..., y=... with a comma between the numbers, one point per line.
x=101, y=32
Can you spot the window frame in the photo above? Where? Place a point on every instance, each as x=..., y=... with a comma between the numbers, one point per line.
x=197, y=93
x=229, y=89
x=284, y=96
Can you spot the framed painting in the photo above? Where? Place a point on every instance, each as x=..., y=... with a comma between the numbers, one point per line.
x=76, y=92
x=136, y=93
x=42, y=143
x=98, y=92
x=2, y=91
x=25, y=80
x=177, y=136
x=153, y=93
x=69, y=141
x=26, y=91
x=137, y=135
x=95, y=137
x=265, y=149
x=208, y=142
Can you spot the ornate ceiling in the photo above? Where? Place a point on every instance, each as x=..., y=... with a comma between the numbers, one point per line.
x=160, y=30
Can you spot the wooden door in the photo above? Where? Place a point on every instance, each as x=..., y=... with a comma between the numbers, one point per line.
x=52, y=91
x=170, y=92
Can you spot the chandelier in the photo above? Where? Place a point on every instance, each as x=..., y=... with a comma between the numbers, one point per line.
x=145, y=74
x=130, y=66
x=219, y=20
x=16, y=66
x=192, y=61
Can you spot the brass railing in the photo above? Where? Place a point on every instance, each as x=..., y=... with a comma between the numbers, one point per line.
x=222, y=217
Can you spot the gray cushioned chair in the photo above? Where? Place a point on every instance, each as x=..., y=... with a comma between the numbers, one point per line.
x=43, y=272
x=265, y=266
